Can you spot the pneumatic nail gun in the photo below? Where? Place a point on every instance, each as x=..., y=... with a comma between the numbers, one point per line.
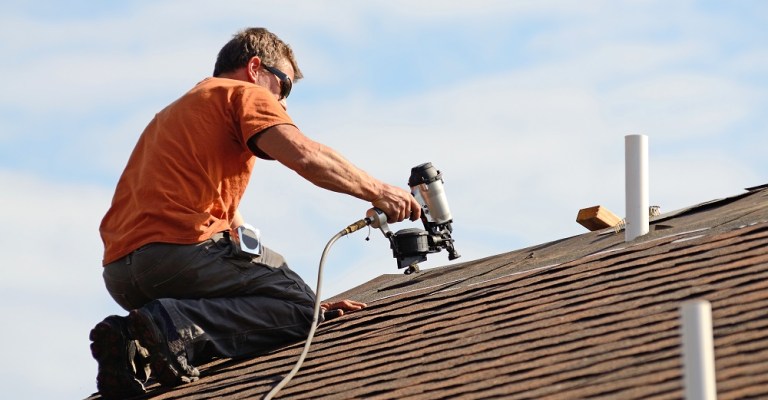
x=410, y=246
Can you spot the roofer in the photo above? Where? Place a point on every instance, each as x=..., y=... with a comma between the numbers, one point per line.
x=171, y=255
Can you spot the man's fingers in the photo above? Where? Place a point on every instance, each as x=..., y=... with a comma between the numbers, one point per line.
x=347, y=305
x=415, y=209
x=398, y=204
x=352, y=305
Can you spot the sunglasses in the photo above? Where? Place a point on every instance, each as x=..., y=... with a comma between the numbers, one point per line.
x=285, y=81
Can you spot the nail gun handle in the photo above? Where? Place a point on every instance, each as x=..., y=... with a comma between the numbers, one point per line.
x=378, y=220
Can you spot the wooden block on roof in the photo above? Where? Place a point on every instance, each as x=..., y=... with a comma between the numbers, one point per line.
x=596, y=218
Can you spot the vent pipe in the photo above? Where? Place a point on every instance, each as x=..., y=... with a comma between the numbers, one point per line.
x=636, y=185
x=698, y=350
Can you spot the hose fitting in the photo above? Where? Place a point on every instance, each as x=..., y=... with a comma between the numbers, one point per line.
x=356, y=226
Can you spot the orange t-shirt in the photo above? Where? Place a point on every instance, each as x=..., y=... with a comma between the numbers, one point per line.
x=188, y=172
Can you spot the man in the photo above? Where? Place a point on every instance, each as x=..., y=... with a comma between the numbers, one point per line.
x=171, y=257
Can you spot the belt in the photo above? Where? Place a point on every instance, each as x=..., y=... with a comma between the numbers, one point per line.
x=216, y=237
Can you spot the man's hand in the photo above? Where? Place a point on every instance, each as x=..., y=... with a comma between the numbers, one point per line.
x=335, y=310
x=397, y=204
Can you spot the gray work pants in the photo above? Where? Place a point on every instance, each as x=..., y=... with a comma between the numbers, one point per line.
x=216, y=301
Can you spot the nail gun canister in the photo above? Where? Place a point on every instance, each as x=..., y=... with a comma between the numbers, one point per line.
x=426, y=184
x=411, y=242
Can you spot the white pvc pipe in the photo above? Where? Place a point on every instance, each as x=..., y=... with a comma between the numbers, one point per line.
x=698, y=351
x=636, y=185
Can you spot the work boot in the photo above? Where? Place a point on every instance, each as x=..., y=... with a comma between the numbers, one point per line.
x=115, y=352
x=170, y=367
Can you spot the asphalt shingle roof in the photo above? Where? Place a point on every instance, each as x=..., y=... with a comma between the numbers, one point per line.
x=584, y=317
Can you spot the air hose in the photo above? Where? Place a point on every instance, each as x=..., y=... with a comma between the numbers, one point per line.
x=316, y=316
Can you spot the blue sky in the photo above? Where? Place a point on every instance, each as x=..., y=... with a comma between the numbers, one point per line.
x=523, y=105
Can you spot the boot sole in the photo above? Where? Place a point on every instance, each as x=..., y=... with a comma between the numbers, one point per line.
x=110, y=348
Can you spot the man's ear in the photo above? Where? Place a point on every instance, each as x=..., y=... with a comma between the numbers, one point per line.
x=252, y=68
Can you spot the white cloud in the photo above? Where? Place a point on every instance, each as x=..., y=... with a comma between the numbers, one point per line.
x=50, y=283
x=680, y=106
x=689, y=177
x=752, y=61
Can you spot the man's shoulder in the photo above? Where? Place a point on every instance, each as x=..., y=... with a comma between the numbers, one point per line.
x=230, y=91
x=226, y=84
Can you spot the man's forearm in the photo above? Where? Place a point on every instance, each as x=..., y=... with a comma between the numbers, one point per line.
x=318, y=163
x=328, y=169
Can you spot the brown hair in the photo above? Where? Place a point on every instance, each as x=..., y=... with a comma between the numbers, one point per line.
x=255, y=42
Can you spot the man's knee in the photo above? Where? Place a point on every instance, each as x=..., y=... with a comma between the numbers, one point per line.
x=302, y=328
